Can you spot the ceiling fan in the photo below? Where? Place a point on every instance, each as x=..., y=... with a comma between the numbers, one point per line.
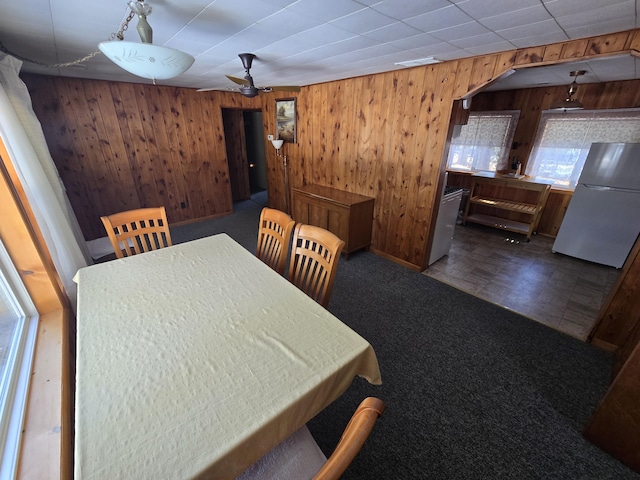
x=247, y=87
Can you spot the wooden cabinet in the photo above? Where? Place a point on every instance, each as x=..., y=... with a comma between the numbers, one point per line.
x=511, y=204
x=348, y=215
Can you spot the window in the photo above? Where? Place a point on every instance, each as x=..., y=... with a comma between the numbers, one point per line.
x=18, y=323
x=484, y=142
x=564, y=138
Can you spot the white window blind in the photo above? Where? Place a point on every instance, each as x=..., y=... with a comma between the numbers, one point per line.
x=484, y=142
x=563, y=140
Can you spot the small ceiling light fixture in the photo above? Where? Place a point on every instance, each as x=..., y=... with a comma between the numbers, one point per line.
x=569, y=103
x=145, y=59
x=419, y=61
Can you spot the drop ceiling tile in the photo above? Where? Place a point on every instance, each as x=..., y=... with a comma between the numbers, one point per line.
x=442, y=51
x=323, y=34
x=480, y=9
x=236, y=11
x=484, y=39
x=189, y=46
x=619, y=25
x=539, y=39
x=559, y=8
x=597, y=16
x=481, y=49
x=366, y=55
x=471, y=29
x=368, y=3
x=450, y=16
x=290, y=45
x=363, y=21
x=403, y=9
x=326, y=10
x=280, y=3
x=416, y=41
x=287, y=22
x=210, y=23
x=547, y=27
x=393, y=32
x=252, y=38
x=28, y=13
x=516, y=18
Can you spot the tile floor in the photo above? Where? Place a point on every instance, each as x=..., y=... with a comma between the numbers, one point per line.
x=559, y=291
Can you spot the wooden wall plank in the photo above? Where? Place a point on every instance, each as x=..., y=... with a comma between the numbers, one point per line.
x=384, y=108
x=575, y=49
x=397, y=150
x=615, y=425
x=608, y=43
x=620, y=313
x=156, y=160
x=137, y=158
x=436, y=127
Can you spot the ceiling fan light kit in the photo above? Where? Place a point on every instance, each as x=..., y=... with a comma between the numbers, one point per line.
x=145, y=59
x=569, y=103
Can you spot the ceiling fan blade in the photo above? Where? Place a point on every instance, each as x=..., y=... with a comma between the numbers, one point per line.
x=284, y=88
x=206, y=89
x=239, y=81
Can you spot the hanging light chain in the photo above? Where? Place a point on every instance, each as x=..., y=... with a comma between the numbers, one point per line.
x=119, y=35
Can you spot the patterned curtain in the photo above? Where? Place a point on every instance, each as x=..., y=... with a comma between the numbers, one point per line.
x=484, y=142
x=564, y=138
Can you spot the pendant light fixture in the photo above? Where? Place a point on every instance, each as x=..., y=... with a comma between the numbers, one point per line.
x=569, y=103
x=145, y=59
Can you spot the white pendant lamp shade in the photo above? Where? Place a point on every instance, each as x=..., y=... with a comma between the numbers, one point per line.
x=147, y=60
x=277, y=143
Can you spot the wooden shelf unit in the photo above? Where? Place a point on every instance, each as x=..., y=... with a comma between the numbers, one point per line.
x=507, y=203
x=348, y=215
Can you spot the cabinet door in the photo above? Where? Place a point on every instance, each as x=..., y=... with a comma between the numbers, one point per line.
x=338, y=223
x=300, y=208
x=318, y=215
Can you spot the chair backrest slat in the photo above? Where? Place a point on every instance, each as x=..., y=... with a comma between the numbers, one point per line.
x=274, y=237
x=137, y=231
x=314, y=261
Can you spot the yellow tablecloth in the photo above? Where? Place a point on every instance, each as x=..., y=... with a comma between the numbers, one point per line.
x=195, y=360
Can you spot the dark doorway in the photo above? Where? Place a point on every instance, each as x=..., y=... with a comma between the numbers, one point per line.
x=244, y=141
x=254, y=134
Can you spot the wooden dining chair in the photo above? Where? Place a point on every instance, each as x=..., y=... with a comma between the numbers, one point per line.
x=314, y=261
x=299, y=456
x=355, y=434
x=137, y=231
x=274, y=237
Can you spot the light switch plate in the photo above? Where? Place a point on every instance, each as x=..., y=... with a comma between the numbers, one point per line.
x=269, y=137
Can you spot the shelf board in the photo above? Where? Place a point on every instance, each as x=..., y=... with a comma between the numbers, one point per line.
x=502, y=223
x=506, y=205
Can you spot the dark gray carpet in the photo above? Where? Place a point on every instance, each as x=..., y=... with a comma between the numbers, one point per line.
x=473, y=391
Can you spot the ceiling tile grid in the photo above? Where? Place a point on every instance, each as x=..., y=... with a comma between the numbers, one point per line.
x=308, y=41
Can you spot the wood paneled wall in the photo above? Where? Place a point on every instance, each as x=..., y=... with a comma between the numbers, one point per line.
x=122, y=146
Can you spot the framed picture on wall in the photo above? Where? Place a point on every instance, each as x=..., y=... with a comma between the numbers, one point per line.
x=286, y=119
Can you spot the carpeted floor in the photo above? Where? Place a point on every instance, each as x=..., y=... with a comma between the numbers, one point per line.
x=473, y=391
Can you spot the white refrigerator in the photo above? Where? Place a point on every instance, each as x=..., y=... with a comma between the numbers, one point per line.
x=602, y=221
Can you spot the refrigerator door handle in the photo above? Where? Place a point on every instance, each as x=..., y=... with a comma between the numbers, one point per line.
x=612, y=189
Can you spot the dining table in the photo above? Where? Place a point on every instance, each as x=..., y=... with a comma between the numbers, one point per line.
x=195, y=360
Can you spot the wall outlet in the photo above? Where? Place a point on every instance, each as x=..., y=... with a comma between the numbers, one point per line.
x=269, y=137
